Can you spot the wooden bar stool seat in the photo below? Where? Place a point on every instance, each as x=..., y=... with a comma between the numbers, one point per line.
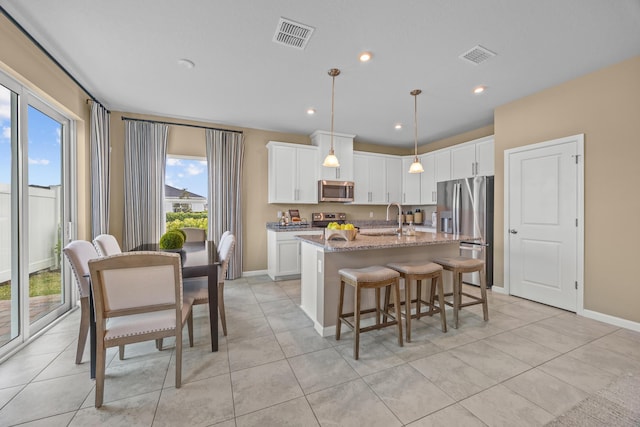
x=458, y=266
x=419, y=271
x=375, y=277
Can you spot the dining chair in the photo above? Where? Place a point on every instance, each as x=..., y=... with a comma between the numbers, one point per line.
x=78, y=254
x=106, y=245
x=222, y=237
x=194, y=234
x=138, y=297
x=199, y=290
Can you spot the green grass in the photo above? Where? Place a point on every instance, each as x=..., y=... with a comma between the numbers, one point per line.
x=40, y=283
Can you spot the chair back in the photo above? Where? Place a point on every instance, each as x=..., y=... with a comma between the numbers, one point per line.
x=195, y=234
x=224, y=254
x=79, y=253
x=224, y=236
x=106, y=245
x=135, y=283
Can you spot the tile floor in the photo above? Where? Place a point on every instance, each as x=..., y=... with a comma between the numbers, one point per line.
x=527, y=365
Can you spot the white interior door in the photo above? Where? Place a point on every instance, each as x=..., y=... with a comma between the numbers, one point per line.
x=543, y=221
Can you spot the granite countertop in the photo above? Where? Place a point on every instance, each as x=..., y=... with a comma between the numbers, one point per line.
x=365, y=241
x=362, y=224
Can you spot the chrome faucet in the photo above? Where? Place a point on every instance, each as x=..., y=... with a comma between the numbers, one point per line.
x=399, y=230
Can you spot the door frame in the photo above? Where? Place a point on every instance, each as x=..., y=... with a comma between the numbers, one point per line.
x=579, y=142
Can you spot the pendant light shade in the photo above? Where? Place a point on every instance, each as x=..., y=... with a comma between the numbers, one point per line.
x=331, y=161
x=416, y=166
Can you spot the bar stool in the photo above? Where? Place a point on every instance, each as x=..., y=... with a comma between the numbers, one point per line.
x=375, y=277
x=457, y=266
x=418, y=272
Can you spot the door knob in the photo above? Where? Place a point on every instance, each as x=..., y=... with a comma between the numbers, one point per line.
x=513, y=231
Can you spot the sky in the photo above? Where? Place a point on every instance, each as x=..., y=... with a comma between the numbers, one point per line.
x=44, y=149
x=187, y=173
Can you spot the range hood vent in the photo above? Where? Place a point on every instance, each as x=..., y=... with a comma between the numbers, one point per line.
x=292, y=34
x=477, y=55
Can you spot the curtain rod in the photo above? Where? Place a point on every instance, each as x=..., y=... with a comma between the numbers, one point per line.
x=180, y=124
x=46, y=52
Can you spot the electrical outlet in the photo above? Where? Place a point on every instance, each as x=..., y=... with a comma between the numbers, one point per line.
x=370, y=214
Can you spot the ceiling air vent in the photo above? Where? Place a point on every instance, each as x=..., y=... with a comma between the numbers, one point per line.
x=294, y=34
x=477, y=55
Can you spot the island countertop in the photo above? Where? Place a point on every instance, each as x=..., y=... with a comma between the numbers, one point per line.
x=367, y=241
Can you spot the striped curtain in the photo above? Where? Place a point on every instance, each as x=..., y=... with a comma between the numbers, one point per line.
x=145, y=156
x=225, y=154
x=100, y=160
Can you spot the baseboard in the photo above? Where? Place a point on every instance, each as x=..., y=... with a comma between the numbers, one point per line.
x=612, y=320
x=254, y=273
x=499, y=290
x=324, y=332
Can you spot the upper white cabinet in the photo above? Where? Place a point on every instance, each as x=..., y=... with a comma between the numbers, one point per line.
x=472, y=158
x=428, y=179
x=292, y=174
x=376, y=178
x=410, y=183
x=343, y=148
x=442, y=165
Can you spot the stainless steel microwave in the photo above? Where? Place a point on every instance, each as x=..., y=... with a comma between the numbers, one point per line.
x=335, y=191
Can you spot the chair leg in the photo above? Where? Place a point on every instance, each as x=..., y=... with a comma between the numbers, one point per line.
x=483, y=294
x=223, y=318
x=340, y=302
x=432, y=294
x=407, y=307
x=159, y=344
x=443, y=318
x=456, y=297
x=84, y=329
x=396, y=297
x=121, y=352
x=100, y=368
x=377, y=295
x=418, y=299
x=356, y=324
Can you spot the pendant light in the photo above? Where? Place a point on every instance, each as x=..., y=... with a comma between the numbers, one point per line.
x=416, y=166
x=331, y=161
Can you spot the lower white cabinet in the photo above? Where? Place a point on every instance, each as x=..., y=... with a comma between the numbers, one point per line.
x=283, y=253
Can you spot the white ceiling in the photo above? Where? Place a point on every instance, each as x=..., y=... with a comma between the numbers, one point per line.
x=125, y=53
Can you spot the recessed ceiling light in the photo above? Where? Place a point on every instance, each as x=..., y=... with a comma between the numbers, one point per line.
x=186, y=63
x=398, y=126
x=365, y=56
x=479, y=89
x=311, y=111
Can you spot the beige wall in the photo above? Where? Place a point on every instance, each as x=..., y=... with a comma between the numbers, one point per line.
x=605, y=106
x=23, y=61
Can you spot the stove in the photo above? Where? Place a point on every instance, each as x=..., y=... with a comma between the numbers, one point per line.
x=322, y=219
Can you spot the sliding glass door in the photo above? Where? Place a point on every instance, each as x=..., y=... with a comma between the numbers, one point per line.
x=34, y=212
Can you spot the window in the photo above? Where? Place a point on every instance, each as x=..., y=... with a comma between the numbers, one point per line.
x=186, y=203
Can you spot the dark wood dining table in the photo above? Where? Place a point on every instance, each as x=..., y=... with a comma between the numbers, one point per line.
x=199, y=259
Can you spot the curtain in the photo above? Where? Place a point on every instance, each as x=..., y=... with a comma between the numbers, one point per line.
x=100, y=160
x=225, y=154
x=145, y=156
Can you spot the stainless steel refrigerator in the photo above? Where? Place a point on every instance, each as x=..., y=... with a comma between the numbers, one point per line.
x=465, y=206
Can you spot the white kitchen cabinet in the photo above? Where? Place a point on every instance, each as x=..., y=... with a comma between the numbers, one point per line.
x=377, y=178
x=283, y=253
x=292, y=176
x=442, y=165
x=472, y=158
x=394, y=179
x=343, y=149
x=410, y=183
x=428, y=179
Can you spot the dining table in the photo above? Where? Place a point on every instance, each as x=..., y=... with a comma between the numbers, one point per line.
x=198, y=259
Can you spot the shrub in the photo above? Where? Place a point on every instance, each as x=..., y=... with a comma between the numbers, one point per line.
x=171, y=240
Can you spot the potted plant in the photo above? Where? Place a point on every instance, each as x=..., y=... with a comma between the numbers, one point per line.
x=172, y=241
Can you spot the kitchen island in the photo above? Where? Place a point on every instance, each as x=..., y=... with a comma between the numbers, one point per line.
x=321, y=260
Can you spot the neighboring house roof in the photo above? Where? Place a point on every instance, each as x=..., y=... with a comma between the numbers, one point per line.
x=177, y=193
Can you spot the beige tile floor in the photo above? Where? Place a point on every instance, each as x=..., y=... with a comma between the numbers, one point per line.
x=527, y=365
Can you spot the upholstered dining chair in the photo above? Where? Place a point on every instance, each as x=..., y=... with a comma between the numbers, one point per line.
x=195, y=234
x=106, y=245
x=138, y=297
x=222, y=237
x=198, y=289
x=78, y=253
